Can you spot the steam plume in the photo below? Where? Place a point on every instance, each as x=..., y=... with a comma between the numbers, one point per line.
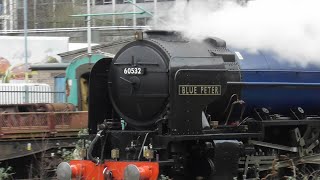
x=289, y=28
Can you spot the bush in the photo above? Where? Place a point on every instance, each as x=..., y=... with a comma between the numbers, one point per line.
x=6, y=173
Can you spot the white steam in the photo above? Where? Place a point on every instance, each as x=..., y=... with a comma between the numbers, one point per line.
x=289, y=28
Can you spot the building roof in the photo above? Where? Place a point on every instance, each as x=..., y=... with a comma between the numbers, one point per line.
x=108, y=49
x=49, y=66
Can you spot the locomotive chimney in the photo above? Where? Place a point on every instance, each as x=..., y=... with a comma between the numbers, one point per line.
x=138, y=35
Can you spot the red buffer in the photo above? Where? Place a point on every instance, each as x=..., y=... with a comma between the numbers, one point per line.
x=110, y=170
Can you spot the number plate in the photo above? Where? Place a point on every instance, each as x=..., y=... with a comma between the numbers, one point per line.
x=133, y=71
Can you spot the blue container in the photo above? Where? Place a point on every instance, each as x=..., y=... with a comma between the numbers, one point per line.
x=278, y=84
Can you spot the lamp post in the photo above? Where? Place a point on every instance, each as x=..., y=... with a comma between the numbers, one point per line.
x=89, y=27
x=25, y=11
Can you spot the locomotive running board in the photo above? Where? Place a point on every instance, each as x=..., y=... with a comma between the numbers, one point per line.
x=221, y=136
x=274, y=146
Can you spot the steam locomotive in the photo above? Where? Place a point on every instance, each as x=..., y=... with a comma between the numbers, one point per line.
x=167, y=107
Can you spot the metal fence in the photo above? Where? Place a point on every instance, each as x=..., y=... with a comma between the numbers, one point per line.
x=30, y=94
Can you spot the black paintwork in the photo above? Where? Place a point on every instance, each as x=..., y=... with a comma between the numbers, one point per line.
x=100, y=107
x=160, y=115
x=169, y=60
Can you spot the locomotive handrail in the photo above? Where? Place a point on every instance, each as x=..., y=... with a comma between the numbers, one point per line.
x=290, y=84
x=275, y=70
x=252, y=70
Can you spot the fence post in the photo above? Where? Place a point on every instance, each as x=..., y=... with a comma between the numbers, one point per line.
x=26, y=94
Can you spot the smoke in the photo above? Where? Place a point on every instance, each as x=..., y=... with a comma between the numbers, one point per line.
x=288, y=28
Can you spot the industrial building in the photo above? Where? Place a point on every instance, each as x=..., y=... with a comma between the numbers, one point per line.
x=53, y=18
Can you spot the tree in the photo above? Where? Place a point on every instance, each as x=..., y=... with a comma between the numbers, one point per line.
x=4, y=65
x=51, y=59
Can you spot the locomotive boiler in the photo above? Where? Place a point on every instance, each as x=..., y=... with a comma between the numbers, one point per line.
x=168, y=107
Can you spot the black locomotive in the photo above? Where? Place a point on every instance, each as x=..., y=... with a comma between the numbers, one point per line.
x=167, y=107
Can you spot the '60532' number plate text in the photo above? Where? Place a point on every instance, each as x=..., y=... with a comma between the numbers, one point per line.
x=133, y=71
